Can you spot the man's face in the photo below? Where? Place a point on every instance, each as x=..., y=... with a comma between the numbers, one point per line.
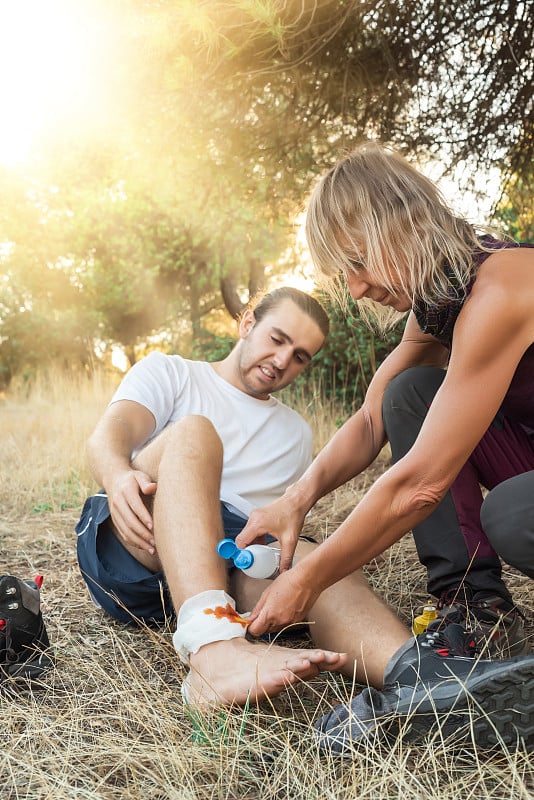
x=273, y=351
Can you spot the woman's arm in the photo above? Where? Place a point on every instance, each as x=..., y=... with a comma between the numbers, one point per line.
x=493, y=331
x=351, y=450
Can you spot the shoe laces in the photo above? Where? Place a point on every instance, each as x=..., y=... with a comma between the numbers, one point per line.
x=449, y=639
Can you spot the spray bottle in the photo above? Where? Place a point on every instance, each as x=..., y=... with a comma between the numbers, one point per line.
x=256, y=560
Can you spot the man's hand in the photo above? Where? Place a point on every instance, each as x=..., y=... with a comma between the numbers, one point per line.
x=286, y=601
x=129, y=512
x=282, y=521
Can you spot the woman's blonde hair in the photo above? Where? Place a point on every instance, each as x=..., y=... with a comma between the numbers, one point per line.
x=375, y=210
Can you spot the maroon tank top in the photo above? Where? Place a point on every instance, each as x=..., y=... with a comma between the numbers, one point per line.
x=439, y=320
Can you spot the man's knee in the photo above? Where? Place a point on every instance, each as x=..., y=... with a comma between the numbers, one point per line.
x=191, y=437
x=194, y=438
x=195, y=427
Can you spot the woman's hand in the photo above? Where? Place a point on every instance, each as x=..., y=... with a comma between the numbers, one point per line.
x=279, y=519
x=286, y=601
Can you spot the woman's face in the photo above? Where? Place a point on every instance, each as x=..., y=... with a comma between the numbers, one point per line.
x=361, y=284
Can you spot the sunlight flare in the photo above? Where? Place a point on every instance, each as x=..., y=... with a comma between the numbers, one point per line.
x=49, y=70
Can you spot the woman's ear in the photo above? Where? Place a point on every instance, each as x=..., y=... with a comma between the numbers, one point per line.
x=246, y=323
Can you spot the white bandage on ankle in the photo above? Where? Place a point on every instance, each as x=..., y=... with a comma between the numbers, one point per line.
x=207, y=617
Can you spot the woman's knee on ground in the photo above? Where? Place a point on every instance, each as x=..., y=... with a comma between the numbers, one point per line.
x=507, y=518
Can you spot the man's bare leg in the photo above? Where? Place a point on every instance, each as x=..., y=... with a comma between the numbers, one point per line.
x=186, y=462
x=348, y=615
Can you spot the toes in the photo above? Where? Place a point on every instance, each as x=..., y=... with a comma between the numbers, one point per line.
x=298, y=664
x=302, y=668
x=327, y=657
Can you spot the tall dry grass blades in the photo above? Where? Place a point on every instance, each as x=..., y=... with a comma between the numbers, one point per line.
x=43, y=429
x=108, y=723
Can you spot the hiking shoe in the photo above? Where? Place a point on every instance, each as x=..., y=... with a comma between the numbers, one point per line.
x=434, y=685
x=23, y=637
x=497, y=621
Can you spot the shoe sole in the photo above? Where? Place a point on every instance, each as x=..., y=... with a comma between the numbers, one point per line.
x=489, y=711
x=511, y=706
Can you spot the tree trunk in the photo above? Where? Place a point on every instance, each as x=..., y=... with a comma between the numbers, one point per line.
x=129, y=352
x=233, y=303
x=256, y=282
x=256, y=276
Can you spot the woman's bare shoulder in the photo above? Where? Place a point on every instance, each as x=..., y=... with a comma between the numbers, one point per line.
x=503, y=295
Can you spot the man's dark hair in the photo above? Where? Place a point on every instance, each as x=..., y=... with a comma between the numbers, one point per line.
x=264, y=303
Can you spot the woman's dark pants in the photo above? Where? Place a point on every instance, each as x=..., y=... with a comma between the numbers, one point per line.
x=461, y=541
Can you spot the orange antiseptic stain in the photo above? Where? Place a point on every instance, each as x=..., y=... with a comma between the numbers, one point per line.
x=226, y=612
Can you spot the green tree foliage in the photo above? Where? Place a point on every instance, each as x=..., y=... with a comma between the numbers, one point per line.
x=515, y=209
x=220, y=115
x=138, y=265
x=42, y=316
x=453, y=79
x=344, y=367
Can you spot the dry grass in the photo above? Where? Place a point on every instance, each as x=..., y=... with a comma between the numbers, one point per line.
x=108, y=722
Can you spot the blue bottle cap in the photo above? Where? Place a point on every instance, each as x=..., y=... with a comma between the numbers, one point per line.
x=227, y=548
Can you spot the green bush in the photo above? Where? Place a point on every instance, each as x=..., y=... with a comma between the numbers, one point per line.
x=347, y=362
x=211, y=347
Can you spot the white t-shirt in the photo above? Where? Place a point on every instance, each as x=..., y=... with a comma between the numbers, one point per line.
x=267, y=446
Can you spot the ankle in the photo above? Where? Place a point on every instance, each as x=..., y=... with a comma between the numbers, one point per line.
x=206, y=618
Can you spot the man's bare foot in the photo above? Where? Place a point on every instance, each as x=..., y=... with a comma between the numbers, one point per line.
x=236, y=671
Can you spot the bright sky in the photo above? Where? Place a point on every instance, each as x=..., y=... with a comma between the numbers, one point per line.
x=52, y=54
x=476, y=204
